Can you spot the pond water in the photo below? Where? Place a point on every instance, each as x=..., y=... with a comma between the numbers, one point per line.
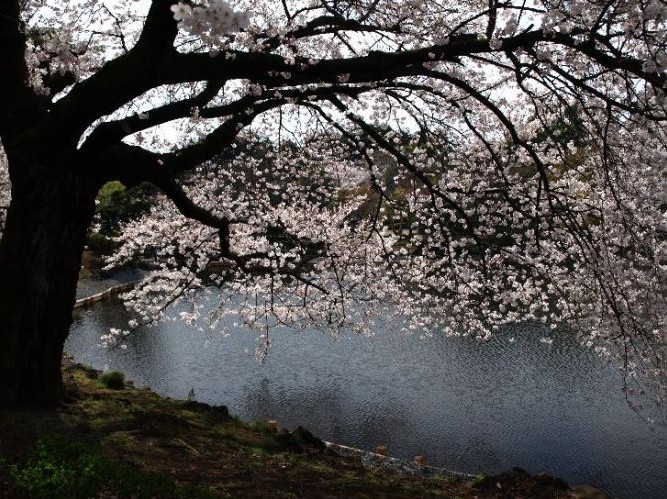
x=469, y=407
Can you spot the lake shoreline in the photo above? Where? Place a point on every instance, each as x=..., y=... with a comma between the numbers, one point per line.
x=191, y=444
x=267, y=386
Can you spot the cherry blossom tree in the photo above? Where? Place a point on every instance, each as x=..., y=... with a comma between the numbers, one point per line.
x=464, y=165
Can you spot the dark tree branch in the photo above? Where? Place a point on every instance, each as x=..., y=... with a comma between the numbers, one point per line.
x=110, y=133
x=147, y=167
x=223, y=136
x=493, y=14
x=160, y=29
x=119, y=27
x=153, y=62
x=267, y=68
x=246, y=111
x=184, y=204
x=119, y=81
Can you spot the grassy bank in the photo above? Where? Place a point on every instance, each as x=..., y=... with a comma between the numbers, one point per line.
x=112, y=440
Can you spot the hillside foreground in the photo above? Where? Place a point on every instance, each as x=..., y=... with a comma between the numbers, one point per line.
x=127, y=442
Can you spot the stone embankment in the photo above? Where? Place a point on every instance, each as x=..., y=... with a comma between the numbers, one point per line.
x=111, y=292
x=374, y=460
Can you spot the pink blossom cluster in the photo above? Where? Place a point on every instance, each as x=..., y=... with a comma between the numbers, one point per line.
x=217, y=19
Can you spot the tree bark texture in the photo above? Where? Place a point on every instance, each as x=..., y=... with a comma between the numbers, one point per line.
x=40, y=258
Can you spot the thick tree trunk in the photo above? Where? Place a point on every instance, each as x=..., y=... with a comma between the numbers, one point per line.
x=40, y=257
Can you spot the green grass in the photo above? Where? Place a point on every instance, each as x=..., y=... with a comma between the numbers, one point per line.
x=478, y=480
x=58, y=468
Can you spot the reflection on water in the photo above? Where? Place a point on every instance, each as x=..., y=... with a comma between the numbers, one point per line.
x=476, y=408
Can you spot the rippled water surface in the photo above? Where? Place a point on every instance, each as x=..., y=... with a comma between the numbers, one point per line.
x=470, y=407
